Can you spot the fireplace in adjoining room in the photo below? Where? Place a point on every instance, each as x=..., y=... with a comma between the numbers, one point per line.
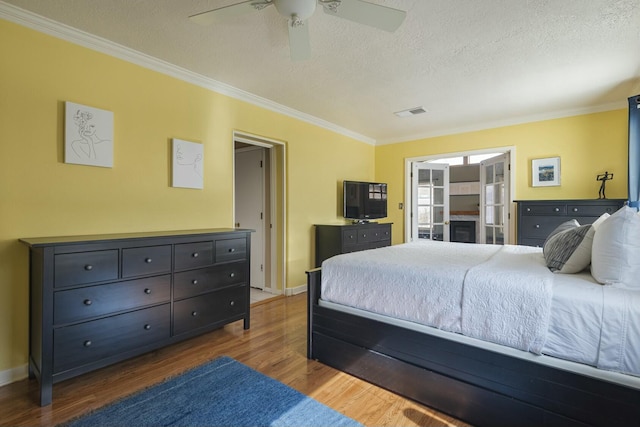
x=463, y=231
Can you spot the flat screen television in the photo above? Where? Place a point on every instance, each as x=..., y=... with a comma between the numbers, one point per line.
x=364, y=200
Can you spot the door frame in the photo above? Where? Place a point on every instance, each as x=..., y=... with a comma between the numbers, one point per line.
x=277, y=212
x=408, y=166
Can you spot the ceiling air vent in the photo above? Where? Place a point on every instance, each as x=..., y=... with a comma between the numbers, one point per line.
x=410, y=112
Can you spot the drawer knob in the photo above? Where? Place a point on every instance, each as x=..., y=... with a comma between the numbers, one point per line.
x=194, y=313
x=537, y=225
x=556, y=209
x=232, y=303
x=195, y=254
x=87, y=343
x=147, y=327
x=88, y=267
x=528, y=209
x=87, y=302
x=364, y=235
x=147, y=291
x=575, y=209
x=232, y=250
x=232, y=275
x=194, y=282
x=148, y=260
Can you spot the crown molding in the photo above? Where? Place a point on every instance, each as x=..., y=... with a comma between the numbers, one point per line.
x=509, y=122
x=73, y=35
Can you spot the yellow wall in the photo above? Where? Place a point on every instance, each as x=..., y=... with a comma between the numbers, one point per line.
x=587, y=145
x=40, y=195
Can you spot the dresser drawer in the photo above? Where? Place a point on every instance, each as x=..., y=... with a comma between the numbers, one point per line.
x=539, y=228
x=93, y=301
x=366, y=235
x=385, y=232
x=193, y=255
x=195, y=282
x=231, y=250
x=558, y=209
x=146, y=260
x=86, y=267
x=88, y=342
x=208, y=309
x=349, y=236
x=382, y=233
x=590, y=210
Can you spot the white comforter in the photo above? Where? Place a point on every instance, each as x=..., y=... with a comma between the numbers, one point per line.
x=507, y=299
x=476, y=290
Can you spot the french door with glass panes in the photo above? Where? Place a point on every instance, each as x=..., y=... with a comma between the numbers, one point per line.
x=430, y=201
x=494, y=203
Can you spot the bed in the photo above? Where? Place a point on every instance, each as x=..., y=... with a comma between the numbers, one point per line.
x=574, y=360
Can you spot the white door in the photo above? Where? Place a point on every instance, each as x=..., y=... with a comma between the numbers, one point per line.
x=430, y=201
x=494, y=203
x=249, y=206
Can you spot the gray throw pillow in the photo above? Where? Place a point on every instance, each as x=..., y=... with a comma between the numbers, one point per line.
x=568, y=247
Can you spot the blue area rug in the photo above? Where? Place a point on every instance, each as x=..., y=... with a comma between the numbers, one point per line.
x=223, y=392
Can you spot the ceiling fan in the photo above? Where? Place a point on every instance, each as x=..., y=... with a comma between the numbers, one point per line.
x=299, y=11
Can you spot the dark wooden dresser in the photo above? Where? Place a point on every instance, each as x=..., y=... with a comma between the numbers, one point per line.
x=538, y=218
x=338, y=239
x=97, y=300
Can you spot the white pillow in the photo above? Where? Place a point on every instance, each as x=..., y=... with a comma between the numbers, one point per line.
x=600, y=220
x=615, y=256
x=569, y=250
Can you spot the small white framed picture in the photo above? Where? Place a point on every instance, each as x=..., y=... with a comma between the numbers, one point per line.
x=88, y=135
x=545, y=172
x=188, y=163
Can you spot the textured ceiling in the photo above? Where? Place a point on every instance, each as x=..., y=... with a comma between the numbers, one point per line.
x=472, y=64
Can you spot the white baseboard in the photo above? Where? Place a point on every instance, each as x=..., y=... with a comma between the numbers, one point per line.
x=14, y=374
x=295, y=291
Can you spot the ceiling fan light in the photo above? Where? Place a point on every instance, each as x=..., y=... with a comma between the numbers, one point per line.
x=302, y=9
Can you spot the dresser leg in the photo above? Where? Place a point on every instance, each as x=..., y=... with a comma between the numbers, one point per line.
x=46, y=388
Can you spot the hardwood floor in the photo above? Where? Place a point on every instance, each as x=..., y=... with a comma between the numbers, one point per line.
x=275, y=345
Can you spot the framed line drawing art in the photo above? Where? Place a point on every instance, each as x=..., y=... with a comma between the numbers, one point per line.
x=88, y=135
x=187, y=164
x=545, y=172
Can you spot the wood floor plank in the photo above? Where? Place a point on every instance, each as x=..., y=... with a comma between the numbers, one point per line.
x=274, y=345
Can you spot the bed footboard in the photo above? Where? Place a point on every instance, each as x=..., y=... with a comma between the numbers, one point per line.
x=472, y=384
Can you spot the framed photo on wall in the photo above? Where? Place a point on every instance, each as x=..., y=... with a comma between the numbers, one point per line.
x=545, y=172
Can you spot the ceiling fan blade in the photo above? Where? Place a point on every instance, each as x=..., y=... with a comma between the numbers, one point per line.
x=219, y=15
x=299, y=41
x=382, y=17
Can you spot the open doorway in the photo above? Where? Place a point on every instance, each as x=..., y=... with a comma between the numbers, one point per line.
x=470, y=201
x=259, y=205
